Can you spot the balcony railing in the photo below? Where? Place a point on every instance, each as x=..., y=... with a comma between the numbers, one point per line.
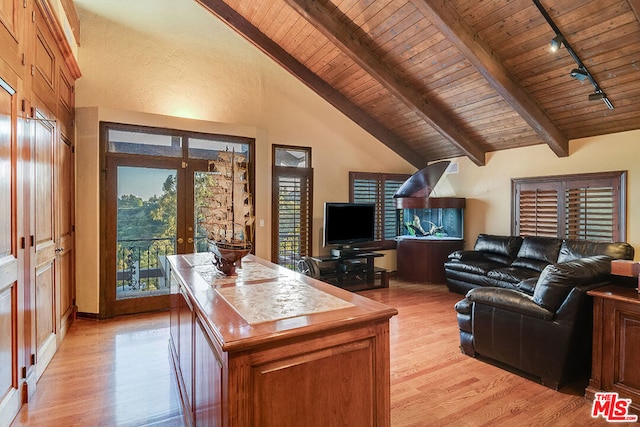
x=141, y=266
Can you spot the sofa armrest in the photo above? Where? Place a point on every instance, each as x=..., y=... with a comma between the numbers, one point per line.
x=510, y=300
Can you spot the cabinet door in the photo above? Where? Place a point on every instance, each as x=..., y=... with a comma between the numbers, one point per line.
x=9, y=259
x=44, y=268
x=185, y=346
x=44, y=62
x=622, y=369
x=11, y=37
x=208, y=380
x=64, y=235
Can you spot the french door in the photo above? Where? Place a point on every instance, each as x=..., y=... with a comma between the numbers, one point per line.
x=150, y=210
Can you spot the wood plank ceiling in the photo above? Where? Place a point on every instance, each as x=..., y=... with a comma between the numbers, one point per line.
x=435, y=79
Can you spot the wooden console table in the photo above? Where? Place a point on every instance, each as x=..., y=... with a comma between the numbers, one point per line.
x=272, y=347
x=616, y=344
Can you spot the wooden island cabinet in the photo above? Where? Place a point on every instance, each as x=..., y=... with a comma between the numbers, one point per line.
x=271, y=347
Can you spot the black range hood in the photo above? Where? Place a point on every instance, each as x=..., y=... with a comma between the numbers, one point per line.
x=415, y=192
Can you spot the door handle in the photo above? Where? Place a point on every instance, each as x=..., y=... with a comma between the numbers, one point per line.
x=180, y=240
x=190, y=240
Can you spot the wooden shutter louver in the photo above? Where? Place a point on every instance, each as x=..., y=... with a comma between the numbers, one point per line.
x=590, y=213
x=294, y=215
x=538, y=212
x=583, y=206
x=390, y=215
x=368, y=191
x=379, y=188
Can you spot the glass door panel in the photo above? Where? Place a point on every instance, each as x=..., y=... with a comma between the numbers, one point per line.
x=199, y=201
x=147, y=209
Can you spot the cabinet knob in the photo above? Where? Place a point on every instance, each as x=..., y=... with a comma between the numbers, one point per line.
x=180, y=240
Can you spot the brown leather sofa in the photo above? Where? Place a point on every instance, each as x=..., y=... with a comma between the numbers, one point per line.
x=542, y=325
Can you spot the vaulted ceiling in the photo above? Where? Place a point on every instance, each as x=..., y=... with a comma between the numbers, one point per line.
x=435, y=79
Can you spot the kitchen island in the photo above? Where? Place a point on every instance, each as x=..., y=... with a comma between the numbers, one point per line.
x=271, y=347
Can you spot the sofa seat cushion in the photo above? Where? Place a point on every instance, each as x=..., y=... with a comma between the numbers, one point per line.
x=557, y=280
x=512, y=275
x=481, y=268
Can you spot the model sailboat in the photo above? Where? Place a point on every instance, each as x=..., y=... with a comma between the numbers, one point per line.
x=228, y=211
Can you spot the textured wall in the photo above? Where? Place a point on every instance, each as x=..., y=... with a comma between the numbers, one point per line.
x=488, y=188
x=171, y=63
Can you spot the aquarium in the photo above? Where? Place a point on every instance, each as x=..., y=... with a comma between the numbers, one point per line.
x=424, y=221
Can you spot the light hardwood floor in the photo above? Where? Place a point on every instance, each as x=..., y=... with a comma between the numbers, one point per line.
x=116, y=373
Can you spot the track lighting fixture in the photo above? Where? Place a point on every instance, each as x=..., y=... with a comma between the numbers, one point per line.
x=580, y=73
x=556, y=42
x=599, y=95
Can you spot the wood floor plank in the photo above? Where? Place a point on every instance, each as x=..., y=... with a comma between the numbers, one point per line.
x=117, y=373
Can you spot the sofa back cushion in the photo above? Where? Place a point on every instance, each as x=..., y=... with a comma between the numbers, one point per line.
x=537, y=252
x=502, y=249
x=574, y=249
x=557, y=280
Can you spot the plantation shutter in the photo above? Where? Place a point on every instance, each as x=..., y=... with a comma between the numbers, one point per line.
x=293, y=215
x=591, y=213
x=390, y=212
x=584, y=206
x=379, y=189
x=538, y=212
x=369, y=191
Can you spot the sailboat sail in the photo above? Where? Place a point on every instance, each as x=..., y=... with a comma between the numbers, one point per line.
x=228, y=208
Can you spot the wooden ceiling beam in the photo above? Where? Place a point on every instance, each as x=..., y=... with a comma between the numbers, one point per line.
x=635, y=6
x=340, y=35
x=243, y=27
x=442, y=15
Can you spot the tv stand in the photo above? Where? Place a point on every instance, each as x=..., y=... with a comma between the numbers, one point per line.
x=343, y=251
x=352, y=270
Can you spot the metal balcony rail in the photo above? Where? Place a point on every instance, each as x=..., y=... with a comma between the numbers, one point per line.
x=140, y=266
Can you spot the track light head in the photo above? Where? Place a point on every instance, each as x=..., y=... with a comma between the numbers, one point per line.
x=597, y=96
x=600, y=95
x=579, y=74
x=556, y=42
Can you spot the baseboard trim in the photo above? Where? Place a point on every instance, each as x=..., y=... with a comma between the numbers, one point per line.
x=90, y=316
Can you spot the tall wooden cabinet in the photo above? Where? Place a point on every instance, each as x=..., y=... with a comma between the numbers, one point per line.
x=37, y=287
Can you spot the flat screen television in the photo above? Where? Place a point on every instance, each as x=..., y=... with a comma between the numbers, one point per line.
x=348, y=223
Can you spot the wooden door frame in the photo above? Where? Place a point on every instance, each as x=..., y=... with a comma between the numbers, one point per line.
x=109, y=305
x=185, y=167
